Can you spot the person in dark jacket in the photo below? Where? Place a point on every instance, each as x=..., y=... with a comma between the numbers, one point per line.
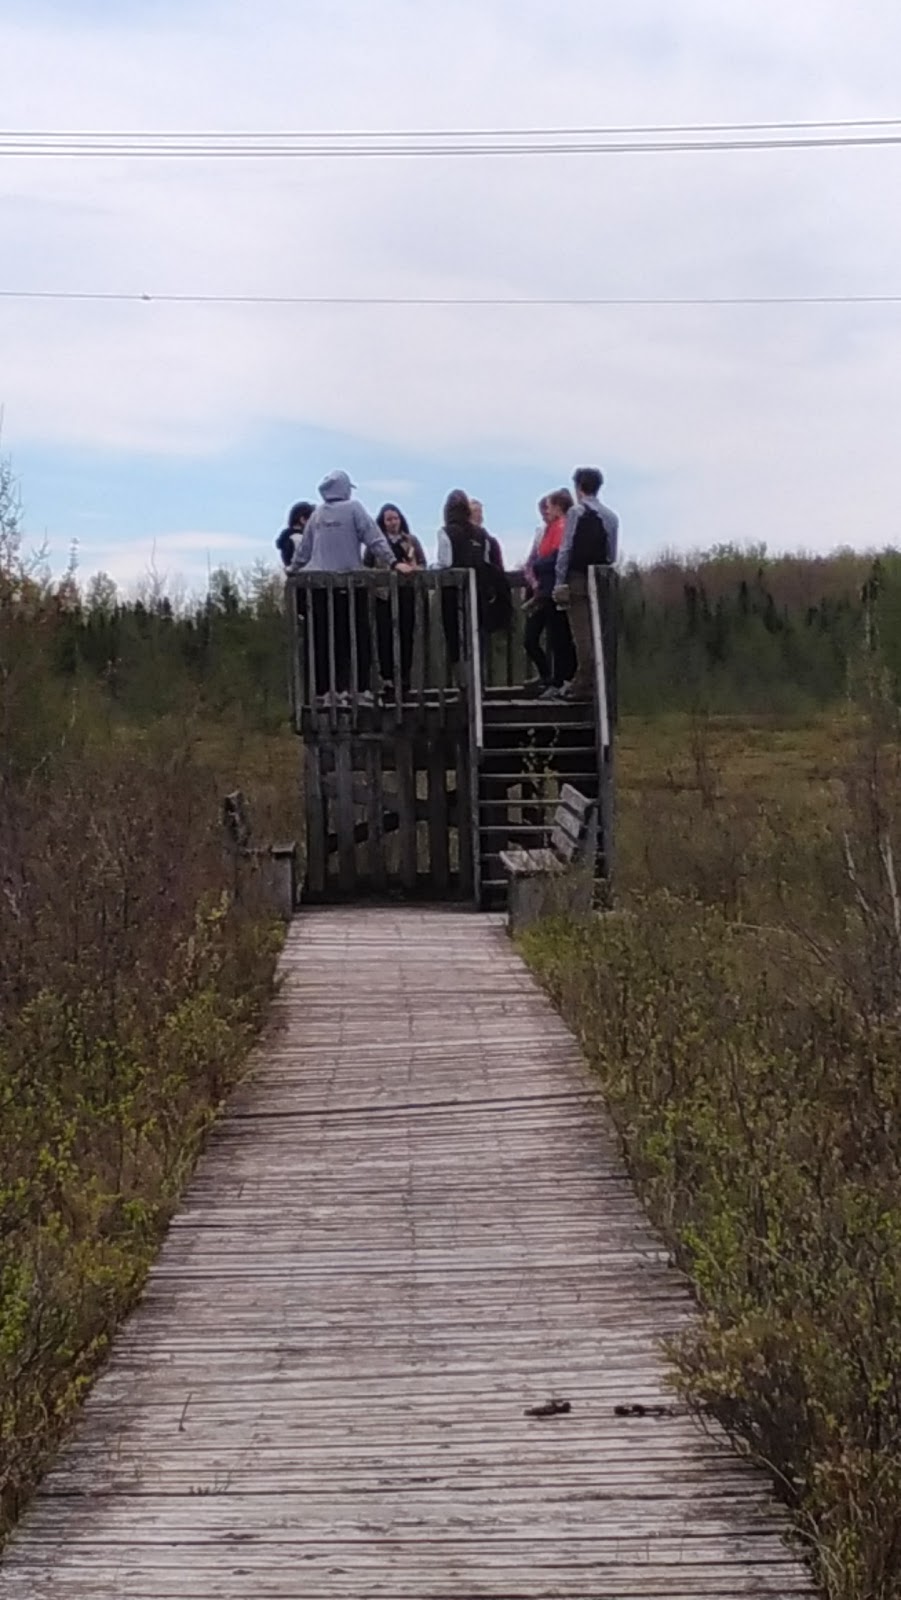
x=409, y=552
x=556, y=664
x=495, y=553
x=590, y=539
x=462, y=543
x=289, y=538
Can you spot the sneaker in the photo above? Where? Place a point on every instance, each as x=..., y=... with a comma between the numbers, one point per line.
x=366, y=698
x=552, y=692
x=574, y=691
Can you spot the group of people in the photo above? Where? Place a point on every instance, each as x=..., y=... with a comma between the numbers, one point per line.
x=338, y=536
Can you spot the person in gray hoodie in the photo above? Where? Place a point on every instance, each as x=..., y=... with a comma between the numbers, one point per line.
x=334, y=540
x=338, y=532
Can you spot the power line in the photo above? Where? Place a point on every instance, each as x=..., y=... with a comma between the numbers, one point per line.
x=444, y=301
x=341, y=145
x=612, y=131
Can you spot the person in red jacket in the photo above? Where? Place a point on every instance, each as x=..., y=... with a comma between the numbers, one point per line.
x=556, y=663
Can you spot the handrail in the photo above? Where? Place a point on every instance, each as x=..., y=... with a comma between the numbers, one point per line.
x=603, y=579
x=602, y=698
x=475, y=675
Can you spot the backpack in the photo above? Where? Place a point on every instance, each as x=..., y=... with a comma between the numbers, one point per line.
x=591, y=542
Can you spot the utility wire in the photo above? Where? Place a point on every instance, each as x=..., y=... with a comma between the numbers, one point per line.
x=414, y=301
x=398, y=147
x=612, y=131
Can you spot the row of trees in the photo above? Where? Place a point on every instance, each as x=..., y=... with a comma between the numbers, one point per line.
x=728, y=631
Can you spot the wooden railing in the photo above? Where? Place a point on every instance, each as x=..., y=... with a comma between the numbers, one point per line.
x=410, y=640
x=418, y=632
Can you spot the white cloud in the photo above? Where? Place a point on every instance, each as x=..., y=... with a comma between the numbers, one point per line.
x=393, y=488
x=167, y=556
x=746, y=423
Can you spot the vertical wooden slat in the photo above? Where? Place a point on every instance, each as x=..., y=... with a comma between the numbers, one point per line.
x=406, y=808
x=476, y=731
x=475, y=657
x=439, y=858
x=296, y=645
x=372, y=601
x=313, y=684
x=330, y=623
x=344, y=815
x=420, y=640
x=354, y=651
x=464, y=822
x=442, y=654
x=375, y=807
x=394, y=593
x=315, y=815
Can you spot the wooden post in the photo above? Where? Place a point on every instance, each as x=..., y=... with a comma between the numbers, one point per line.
x=604, y=725
x=476, y=733
x=344, y=812
x=354, y=652
x=407, y=810
x=395, y=646
x=315, y=814
x=439, y=832
x=375, y=807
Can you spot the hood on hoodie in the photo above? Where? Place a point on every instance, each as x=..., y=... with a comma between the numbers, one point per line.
x=336, y=486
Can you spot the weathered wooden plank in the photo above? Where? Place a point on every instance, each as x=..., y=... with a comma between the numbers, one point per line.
x=413, y=1227
x=407, y=811
x=375, y=810
x=314, y=806
x=439, y=830
x=346, y=821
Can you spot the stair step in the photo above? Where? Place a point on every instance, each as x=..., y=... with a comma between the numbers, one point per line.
x=526, y=803
x=543, y=735
x=554, y=713
x=577, y=779
x=534, y=830
x=550, y=724
x=548, y=749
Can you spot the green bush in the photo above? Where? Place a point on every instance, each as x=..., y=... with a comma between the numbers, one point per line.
x=754, y=1070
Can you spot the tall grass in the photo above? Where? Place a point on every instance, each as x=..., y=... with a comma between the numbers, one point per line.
x=130, y=988
x=743, y=1010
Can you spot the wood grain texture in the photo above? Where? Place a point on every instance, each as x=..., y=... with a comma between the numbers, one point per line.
x=412, y=1227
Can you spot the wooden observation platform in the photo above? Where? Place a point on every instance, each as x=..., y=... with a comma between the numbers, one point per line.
x=415, y=794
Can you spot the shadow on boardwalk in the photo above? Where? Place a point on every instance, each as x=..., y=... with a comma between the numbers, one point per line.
x=412, y=1227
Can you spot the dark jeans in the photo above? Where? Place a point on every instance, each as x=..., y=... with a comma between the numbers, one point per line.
x=343, y=661
x=385, y=634
x=558, y=666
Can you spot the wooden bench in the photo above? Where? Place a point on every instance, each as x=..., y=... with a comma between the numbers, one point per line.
x=273, y=868
x=559, y=880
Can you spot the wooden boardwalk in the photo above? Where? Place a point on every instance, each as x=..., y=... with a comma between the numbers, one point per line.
x=413, y=1226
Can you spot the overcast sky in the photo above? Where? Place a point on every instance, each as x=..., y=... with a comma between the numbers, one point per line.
x=182, y=433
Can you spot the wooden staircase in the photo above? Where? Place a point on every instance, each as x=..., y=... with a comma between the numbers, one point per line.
x=530, y=748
